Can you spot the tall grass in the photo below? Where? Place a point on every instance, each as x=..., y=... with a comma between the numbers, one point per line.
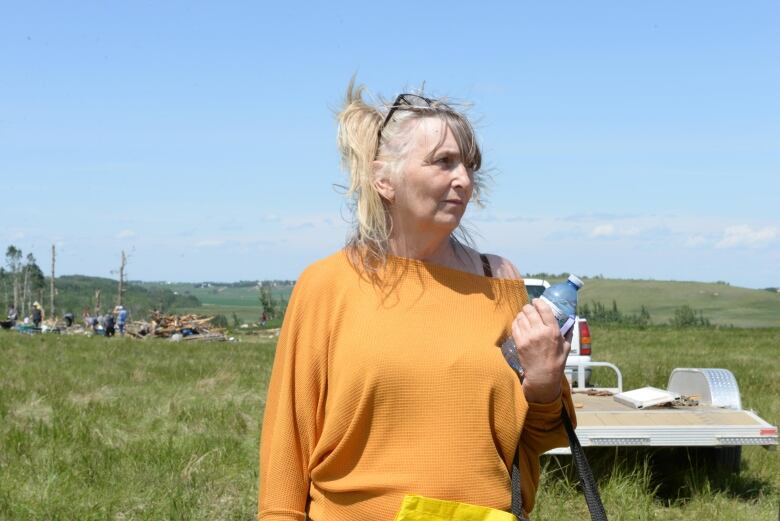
x=98, y=429
x=115, y=429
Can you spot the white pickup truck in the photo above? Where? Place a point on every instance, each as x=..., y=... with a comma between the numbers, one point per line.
x=701, y=407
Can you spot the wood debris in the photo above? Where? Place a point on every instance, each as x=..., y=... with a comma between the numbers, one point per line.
x=190, y=327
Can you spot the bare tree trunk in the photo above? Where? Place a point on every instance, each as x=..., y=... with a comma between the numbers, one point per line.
x=26, y=292
x=120, y=293
x=51, y=286
x=97, y=302
x=16, y=291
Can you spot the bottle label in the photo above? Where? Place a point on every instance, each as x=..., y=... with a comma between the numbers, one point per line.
x=565, y=322
x=560, y=316
x=567, y=325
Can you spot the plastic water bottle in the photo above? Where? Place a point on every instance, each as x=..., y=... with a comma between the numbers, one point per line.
x=562, y=299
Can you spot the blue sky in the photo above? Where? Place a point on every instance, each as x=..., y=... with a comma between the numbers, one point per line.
x=629, y=139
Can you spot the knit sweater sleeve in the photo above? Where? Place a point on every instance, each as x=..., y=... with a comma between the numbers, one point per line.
x=295, y=404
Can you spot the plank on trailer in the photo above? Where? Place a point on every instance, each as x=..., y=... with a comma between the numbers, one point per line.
x=604, y=411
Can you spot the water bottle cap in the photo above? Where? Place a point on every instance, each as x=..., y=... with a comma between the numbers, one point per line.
x=576, y=281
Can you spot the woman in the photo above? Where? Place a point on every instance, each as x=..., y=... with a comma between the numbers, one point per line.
x=388, y=379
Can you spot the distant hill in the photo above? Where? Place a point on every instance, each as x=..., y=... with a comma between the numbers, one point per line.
x=226, y=298
x=74, y=292
x=721, y=303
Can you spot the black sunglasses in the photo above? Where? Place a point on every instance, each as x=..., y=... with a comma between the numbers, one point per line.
x=405, y=100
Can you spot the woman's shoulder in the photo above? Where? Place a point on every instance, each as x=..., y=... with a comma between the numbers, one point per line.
x=328, y=270
x=502, y=267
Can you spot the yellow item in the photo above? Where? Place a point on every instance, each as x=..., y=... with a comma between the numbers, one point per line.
x=419, y=508
x=380, y=391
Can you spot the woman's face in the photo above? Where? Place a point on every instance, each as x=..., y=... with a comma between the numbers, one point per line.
x=431, y=193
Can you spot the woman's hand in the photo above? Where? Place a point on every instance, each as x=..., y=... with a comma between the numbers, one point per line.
x=542, y=351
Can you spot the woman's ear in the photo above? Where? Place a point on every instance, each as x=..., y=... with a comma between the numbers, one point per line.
x=382, y=183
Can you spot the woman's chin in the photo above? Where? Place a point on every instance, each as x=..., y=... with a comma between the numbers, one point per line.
x=450, y=221
x=454, y=213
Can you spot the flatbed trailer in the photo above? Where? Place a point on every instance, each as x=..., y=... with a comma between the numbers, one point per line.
x=709, y=414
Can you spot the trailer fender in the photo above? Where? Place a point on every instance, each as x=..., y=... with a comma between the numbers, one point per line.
x=715, y=387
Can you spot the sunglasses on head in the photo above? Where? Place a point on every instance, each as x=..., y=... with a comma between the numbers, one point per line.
x=404, y=101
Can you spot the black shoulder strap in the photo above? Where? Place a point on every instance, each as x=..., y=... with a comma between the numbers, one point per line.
x=587, y=481
x=517, y=499
x=486, y=265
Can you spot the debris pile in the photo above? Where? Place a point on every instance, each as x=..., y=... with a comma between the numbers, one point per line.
x=177, y=327
x=189, y=327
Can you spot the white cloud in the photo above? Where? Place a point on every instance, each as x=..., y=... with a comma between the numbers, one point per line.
x=14, y=234
x=210, y=243
x=695, y=241
x=125, y=234
x=611, y=230
x=300, y=226
x=632, y=231
x=743, y=236
x=603, y=230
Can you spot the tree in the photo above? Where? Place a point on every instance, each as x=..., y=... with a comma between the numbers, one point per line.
x=644, y=317
x=121, y=291
x=13, y=259
x=219, y=321
x=597, y=312
x=267, y=301
x=4, y=283
x=34, y=282
x=685, y=316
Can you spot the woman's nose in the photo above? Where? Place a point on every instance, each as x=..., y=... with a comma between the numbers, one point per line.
x=461, y=176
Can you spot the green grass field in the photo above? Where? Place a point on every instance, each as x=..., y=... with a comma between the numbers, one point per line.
x=116, y=429
x=96, y=429
x=225, y=300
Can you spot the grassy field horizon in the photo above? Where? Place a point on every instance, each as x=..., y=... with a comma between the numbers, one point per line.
x=721, y=303
x=224, y=299
x=99, y=428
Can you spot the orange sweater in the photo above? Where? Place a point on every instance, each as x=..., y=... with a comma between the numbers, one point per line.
x=376, y=393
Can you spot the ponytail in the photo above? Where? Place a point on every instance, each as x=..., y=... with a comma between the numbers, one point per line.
x=358, y=139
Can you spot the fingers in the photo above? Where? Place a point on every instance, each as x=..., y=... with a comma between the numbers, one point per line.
x=566, y=347
x=523, y=325
x=544, y=311
x=532, y=314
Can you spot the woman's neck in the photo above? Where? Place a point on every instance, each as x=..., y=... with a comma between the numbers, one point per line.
x=436, y=250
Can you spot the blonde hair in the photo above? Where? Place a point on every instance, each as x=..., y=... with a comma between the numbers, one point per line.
x=360, y=143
